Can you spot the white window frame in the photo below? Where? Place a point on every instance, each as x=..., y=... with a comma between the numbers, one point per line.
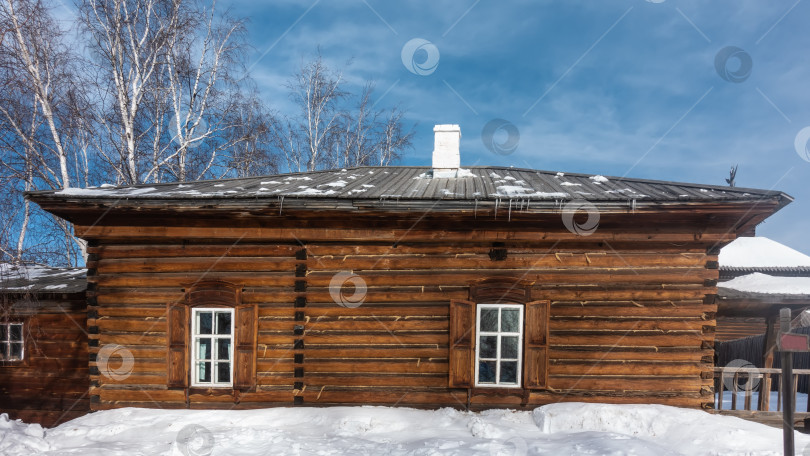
x=499, y=334
x=8, y=341
x=195, y=341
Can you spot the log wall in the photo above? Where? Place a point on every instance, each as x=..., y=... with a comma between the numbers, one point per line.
x=50, y=385
x=632, y=319
x=731, y=328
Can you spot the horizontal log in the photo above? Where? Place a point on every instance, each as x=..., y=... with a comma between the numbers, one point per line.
x=140, y=325
x=628, y=338
x=613, y=367
x=597, y=353
x=388, y=352
x=375, y=324
x=560, y=275
x=640, y=308
x=597, y=383
x=193, y=250
x=398, y=379
x=197, y=264
x=474, y=262
x=249, y=234
x=366, y=248
x=166, y=279
x=637, y=325
x=374, y=366
x=156, y=396
x=127, y=340
x=378, y=338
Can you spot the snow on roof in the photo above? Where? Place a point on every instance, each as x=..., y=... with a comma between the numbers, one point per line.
x=34, y=277
x=473, y=183
x=761, y=252
x=758, y=282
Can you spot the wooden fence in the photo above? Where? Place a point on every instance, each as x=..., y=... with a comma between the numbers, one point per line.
x=747, y=381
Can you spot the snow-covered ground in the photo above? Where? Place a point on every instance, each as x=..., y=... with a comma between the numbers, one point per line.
x=557, y=429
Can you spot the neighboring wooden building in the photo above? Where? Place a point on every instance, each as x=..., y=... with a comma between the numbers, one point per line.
x=758, y=276
x=481, y=287
x=43, y=344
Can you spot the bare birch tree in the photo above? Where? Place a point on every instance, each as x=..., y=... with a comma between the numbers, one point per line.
x=130, y=39
x=329, y=132
x=41, y=125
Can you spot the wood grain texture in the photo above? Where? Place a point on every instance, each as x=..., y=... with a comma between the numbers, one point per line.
x=628, y=319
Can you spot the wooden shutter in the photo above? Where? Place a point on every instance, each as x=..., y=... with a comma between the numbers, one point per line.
x=462, y=344
x=177, y=370
x=244, y=368
x=535, y=345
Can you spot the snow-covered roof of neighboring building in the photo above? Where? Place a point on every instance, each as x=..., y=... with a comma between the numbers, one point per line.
x=761, y=253
x=764, y=284
x=16, y=278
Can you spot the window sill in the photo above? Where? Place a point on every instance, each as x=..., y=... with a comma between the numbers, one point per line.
x=497, y=391
x=211, y=390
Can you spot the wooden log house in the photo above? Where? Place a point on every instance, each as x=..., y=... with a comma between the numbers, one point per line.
x=43, y=343
x=420, y=286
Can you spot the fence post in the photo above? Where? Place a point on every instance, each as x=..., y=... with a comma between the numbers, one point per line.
x=787, y=387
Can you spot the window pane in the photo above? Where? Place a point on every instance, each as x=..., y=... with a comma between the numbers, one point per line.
x=509, y=320
x=15, y=332
x=204, y=349
x=224, y=349
x=223, y=372
x=489, y=320
x=16, y=351
x=205, y=372
x=489, y=347
x=486, y=371
x=509, y=347
x=3, y=329
x=508, y=371
x=3, y=350
x=204, y=324
x=223, y=322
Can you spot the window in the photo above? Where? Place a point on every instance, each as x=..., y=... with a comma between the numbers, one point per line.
x=498, y=350
x=498, y=344
x=211, y=338
x=11, y=341
x=212, y=347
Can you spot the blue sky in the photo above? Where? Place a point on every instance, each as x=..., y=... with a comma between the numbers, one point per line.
x=624, y=87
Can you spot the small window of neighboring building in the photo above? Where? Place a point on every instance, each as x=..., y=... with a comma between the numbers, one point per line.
x=11, y=342
x=212, y=347
x=499, y=354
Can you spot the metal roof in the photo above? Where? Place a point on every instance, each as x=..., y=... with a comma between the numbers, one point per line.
x=421, y=183
x=41, y=279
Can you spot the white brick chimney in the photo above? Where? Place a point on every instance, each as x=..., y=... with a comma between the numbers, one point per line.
x=446, y=148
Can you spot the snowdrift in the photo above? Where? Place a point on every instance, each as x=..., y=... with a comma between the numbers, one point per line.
x=558, y=429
